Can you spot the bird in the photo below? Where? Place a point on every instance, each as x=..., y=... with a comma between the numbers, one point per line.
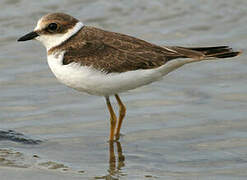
x=105, y=63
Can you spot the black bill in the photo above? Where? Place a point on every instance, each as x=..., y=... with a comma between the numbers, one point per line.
x=28, y=36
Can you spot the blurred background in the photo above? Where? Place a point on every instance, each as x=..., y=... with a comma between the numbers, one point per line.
x=190, y=125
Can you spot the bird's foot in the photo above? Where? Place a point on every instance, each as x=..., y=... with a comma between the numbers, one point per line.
x=117, y=136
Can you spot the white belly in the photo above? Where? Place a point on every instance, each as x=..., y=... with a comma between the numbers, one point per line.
x=92, y=81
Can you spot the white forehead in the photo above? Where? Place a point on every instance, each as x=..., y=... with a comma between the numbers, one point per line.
x=39, y=24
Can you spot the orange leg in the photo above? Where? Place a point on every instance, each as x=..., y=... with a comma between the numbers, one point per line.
x=113, y=119
x=122, y=112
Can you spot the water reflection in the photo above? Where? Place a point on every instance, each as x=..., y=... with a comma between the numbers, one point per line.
x=116, y=162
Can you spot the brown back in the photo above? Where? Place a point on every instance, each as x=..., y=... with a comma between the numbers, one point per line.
x=114, y=52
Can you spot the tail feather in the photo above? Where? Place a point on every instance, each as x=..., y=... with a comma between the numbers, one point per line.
x=217, y=52
x=196, y=54
x=228, y=55
x=200, y=53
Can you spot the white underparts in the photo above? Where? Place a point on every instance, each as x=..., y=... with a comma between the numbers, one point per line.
x=53, y=40
x=95, y=82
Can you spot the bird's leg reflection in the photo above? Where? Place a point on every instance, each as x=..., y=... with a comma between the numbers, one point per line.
x=121, y=157
x=115, y=167
x=115, y=170
x=112, y=158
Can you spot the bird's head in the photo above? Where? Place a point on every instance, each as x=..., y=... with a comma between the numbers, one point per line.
x=53, y=29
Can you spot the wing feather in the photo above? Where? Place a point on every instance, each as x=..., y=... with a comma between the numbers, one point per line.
x=115, y=52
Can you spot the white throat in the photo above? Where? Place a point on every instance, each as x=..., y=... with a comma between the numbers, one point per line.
x=53, y=40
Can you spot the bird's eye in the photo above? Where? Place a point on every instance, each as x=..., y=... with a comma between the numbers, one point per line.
x=52, y=26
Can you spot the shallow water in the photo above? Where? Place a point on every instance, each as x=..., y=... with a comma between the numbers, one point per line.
x=191, y=125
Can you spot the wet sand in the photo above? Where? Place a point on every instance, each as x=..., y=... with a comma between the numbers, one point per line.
x=190, y=125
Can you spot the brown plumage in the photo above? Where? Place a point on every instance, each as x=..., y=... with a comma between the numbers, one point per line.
x=115, y=52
